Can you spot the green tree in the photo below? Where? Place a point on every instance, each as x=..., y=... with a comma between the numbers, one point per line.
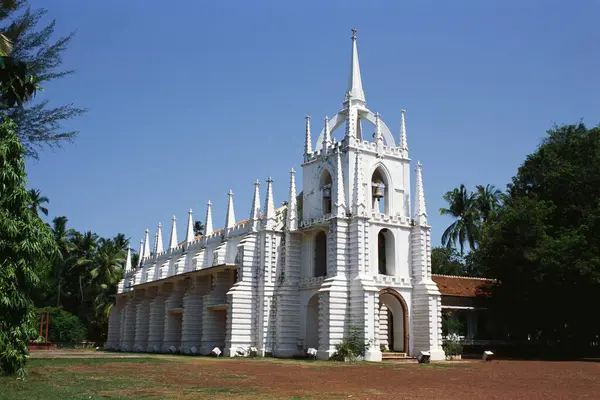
x=25, y=242
x=198, y=228
x=35, y=58
x=543, y=246
x=37, y=201
x=465, y=228
x=17, y=82
x=447, y=261
x=62, y=237
x=470, y=210
x=487, y=200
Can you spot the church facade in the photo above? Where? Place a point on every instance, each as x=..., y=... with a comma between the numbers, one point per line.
x=350, y=250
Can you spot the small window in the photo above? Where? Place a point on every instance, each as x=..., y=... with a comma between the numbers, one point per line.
x=321, y=254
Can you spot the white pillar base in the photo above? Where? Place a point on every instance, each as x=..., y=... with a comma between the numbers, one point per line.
x=325, y=354
x=373, y=355
x=437, y=355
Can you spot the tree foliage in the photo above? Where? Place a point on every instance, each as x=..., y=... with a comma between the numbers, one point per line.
x=84, y=279
x=543, y=245
x=470, y=210
x=25, y=243
x=198, y=228
x=64, y=327
x=449, y=261
x=35, y=59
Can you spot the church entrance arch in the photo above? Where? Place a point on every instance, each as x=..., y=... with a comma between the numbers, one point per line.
x=311, y=335
x=394, y=328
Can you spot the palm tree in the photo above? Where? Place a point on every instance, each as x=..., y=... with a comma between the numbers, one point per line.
x=487, y=200
x=35, y=202
x=6, y=44
x=198, y=228
x=62, y=237
x=107, y=265
x=105, y=274
x=120, y=241
x=465, y=228
x=135, y=258
x=81, y=260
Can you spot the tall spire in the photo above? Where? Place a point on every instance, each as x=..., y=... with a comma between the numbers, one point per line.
x=420, y=215
x=355, y=89
x=292, y=207
x=269, y=206
x=141, y=253
x=128, y=260
x=307, y=137
x=173, y=239
x=158, y=245
x=230, y=217
x=403, y=141
x=208, y=225
x=339, y=203
x=255, y=211
x=358, y=201
x=189, y=236
x=147, y=244
x=326, y=137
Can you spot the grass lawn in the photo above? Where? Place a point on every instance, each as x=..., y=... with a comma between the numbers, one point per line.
x=181, y=377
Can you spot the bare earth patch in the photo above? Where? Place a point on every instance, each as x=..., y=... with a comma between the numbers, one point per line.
x=169, y=377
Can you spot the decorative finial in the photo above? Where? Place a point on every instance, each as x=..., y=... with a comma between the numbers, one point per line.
x=353, y=33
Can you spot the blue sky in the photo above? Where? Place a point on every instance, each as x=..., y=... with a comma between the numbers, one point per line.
x=191, y=100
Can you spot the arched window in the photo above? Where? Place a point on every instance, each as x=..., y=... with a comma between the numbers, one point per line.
x=321, y=254
x=385, y=252
x=325, y=185
x=380, y=192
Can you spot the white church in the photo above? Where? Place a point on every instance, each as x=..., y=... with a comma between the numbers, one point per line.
x=348, y=250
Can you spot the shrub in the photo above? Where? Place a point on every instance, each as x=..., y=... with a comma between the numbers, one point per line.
x=64, y=326
x=353, y=347
x=452, y=345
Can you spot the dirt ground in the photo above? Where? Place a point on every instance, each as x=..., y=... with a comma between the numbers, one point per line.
x=199, y=377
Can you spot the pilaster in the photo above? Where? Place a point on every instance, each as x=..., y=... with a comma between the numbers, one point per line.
x=156, y=324
x=142, y=317
x=267, y=304
x=288, y=299
x=114, y=327
x=426, y=298
x=191, y=332
x=241, y=315
x=173, y=319
x=128, y=336
x=214, y=317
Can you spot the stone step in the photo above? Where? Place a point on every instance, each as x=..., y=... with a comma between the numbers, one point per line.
x=394, y=354
x=404, y=360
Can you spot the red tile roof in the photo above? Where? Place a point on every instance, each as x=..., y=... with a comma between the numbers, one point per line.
x=459, y=286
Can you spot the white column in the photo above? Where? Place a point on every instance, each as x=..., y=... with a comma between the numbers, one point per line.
x=156, y=324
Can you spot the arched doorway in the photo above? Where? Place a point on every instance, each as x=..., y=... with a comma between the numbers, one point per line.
x=311, y=333
x=395, y=327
